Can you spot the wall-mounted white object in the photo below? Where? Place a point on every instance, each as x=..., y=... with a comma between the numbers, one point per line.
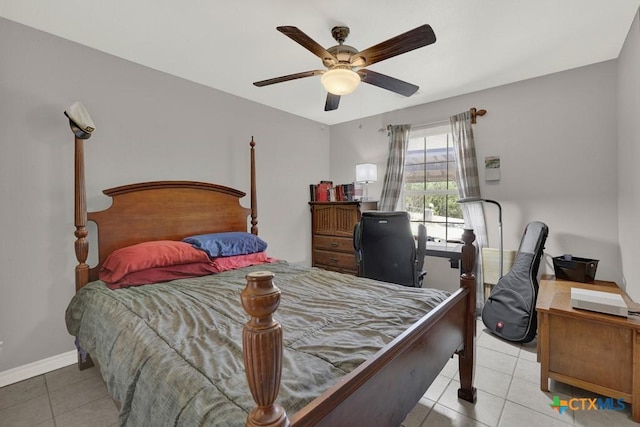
x=492, y=168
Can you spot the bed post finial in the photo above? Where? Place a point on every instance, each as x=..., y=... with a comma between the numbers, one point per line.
x=466, y=357
x=254, y=197
x=262, y=349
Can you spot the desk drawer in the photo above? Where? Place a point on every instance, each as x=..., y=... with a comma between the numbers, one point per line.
x=331, y=243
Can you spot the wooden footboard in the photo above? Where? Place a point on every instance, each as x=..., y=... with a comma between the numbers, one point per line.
x=384, y=389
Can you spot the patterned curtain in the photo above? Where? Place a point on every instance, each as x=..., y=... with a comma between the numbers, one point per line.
x=392, y=186
x=469, y=186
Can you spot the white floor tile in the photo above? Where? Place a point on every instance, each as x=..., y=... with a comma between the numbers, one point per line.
x=527, y=370
x=69, y=375
x=528, y=352
x=521, y=416
x=441, y=416
x=487, y=340
x=22, y=391
x=417, y=416
x=27, y=413
x=492, y=381
x=98, y=413
x=528, y=394
x=437, y=388
x=495, y=360
x=605, y=418
x=479, y=327
x=558, y=387
x=451, y=368
x=486, y=410
x=608, y=417
x=72, y=396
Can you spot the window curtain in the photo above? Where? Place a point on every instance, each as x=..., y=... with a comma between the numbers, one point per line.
x=469, y=186
x=392, y=185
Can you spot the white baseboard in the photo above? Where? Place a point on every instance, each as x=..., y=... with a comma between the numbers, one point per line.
x=38, y=368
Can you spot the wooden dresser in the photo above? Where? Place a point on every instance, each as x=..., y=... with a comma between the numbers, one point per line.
x=332, y=234
x=592, y=351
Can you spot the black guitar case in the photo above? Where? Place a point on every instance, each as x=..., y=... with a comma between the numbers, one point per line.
x=510, y=311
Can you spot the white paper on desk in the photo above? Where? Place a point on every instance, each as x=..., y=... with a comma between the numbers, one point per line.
x=601, y=302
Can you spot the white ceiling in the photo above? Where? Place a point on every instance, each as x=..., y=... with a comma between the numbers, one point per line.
x=227, y=45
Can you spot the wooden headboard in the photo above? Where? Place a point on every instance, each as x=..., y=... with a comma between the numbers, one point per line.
x=160, y=210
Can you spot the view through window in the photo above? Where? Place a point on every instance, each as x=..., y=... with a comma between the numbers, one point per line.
x=429, y=191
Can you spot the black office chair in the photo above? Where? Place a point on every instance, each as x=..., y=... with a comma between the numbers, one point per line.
x=386, y=249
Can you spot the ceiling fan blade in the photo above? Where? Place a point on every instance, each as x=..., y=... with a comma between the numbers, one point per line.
x=332, y=102
x=288, y=77
x=405, y=42
x=387, y=82
x=308, y=43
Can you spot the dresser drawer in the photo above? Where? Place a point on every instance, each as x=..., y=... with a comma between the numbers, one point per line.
x=335, y=259
x=352, y=271
x=331, y=243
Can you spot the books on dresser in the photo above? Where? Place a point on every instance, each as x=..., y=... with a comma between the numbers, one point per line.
x=326, y=191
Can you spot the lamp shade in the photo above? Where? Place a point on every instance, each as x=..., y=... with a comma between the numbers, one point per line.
x=340, y=81
x=366, y=172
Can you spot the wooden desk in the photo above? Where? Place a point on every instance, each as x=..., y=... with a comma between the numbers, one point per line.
x=593, y=351
x=453, y=251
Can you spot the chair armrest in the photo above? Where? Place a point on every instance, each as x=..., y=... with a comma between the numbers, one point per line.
x=357, y=239
x=422, y=246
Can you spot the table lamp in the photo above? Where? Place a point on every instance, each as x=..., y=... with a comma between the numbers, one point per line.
x=366, y=173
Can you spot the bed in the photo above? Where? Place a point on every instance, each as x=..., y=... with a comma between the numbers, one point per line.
x=269, y=344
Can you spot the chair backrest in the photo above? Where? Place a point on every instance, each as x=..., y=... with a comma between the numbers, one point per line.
x=386, y=249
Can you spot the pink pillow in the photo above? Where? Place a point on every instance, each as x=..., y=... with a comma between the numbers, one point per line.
x=159, y=253
x=163, y=274
x=221, y=264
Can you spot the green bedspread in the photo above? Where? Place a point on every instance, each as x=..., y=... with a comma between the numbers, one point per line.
x=171, y=353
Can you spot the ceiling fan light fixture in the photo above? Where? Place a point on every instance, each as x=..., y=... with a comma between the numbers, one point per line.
x=340, y=81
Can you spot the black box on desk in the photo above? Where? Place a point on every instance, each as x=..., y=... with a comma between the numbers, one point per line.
x=574, y=268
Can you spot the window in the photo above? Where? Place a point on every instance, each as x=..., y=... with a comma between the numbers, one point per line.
x=430, y=191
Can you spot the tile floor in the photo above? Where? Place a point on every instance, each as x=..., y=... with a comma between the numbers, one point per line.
x=507, y=377
x=66, y=397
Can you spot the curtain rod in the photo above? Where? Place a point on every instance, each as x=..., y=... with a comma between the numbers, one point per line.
x=474, y=114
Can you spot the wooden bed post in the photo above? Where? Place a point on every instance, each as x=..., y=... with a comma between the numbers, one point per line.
x=466, y=357
x=254, y=197
x=80, y=221
x=80, y=207
x=262, y=349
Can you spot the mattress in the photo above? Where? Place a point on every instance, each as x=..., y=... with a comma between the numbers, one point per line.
x=171, y=353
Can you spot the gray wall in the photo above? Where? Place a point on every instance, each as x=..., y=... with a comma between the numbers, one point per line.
x=149, y=126
x=629, y=157
x=556, y=138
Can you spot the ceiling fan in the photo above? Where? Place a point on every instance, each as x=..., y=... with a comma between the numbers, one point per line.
x=345, y=63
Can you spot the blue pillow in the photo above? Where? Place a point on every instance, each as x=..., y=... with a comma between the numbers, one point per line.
x=227, y=244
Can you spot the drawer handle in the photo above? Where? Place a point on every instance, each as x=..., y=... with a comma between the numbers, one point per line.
x=334, y=260
x=334, y=244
